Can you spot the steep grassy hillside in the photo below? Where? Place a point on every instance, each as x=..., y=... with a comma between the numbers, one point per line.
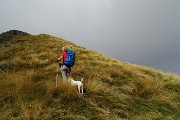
x=114, y=90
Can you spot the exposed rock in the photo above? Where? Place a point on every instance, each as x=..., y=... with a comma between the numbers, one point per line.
x=6, y=43
x=13, y=32
x=6, y=37
x=5, y=67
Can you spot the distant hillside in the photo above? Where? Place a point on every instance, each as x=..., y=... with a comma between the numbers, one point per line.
x=114, y=90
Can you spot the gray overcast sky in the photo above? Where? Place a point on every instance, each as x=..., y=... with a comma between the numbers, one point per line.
x=145, y=32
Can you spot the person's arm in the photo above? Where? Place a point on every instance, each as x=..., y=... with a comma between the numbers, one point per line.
x=59, y=59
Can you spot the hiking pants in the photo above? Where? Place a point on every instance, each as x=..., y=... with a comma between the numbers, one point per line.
x=65, y=72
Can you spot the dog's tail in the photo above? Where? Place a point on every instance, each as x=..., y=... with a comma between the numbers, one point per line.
x=81, y=79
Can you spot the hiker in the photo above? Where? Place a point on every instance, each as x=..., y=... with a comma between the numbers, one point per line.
x=67, y=59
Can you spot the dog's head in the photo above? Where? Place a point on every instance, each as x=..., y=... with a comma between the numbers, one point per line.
x=69, y=79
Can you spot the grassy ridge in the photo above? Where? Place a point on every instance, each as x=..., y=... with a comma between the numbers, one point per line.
x=114, y=90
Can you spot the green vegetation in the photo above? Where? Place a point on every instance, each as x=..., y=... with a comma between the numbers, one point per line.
x=114, y=90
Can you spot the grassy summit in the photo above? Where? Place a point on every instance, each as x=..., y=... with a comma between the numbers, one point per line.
x=114, y=90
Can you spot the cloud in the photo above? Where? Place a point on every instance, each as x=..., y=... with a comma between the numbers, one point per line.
x=140, y=32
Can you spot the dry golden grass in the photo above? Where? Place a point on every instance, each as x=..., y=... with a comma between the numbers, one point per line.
x=148, y=88
x=94, y=86
x=113, y=89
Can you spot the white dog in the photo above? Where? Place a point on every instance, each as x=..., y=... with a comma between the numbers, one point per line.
x=79, y=84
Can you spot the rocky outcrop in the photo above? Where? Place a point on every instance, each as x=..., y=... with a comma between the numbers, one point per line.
x=6, y=37
x=13, y=32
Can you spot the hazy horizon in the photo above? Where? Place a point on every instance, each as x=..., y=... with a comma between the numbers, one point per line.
x=144, y=32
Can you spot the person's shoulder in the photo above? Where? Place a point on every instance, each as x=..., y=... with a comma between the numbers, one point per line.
x=63, y=53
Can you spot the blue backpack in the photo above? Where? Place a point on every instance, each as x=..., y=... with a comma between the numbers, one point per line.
x=70, y=58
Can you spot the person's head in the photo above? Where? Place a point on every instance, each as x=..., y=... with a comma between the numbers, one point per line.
x=65, y=48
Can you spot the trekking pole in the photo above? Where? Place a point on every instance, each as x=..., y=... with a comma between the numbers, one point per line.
x=57, y=76
x=56, y=79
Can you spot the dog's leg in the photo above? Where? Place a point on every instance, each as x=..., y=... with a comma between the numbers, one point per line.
x=79, y=89
x=82, y=89
x=82, y=85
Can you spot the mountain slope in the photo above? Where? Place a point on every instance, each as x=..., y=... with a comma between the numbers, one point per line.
x=113, y=89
